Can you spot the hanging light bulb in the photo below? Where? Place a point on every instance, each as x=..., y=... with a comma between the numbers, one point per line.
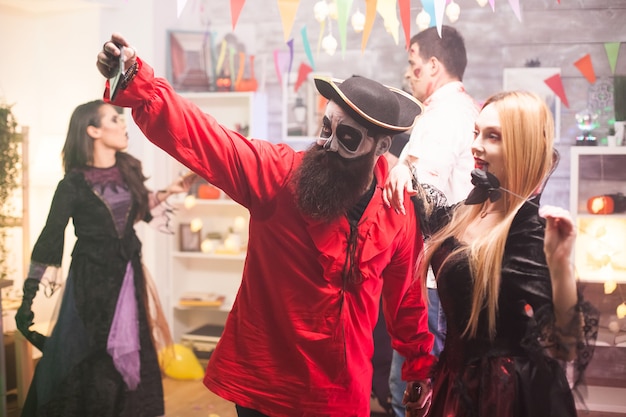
x=189, y=201
x=422, y=20
x=329, y=44
x=482, y=3
x=320, y=11
x=358, y=21
x=333, y=13
x=621, y=311
x=195, y=225
x=453, y=10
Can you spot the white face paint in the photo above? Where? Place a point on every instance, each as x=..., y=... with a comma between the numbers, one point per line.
x=342, y=134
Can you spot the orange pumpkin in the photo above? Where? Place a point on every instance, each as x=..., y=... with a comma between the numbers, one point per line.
x=208, y=192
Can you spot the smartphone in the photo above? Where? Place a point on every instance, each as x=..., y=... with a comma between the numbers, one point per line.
x=115, y=82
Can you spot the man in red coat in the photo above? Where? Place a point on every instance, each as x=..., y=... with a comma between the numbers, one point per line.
x=322, y=246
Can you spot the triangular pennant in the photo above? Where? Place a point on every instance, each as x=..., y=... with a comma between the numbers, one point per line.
x=440, y=8
x=180, y=5
x=281, y=64
x=515, y=6
x=405, y=18
x=290, y=45
x=303, y=72
x=287, y=9
x=235, y=10
x=556, y=84
x=429, y=7
x=343, y=9
x=307, y=46
x=492, y=3
x=387, y=10
x=612, y=50
x=585, y=66
x=370, y=16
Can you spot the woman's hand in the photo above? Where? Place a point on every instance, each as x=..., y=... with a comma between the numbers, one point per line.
x=399, y=181
x=560, y=235
x=417, y=398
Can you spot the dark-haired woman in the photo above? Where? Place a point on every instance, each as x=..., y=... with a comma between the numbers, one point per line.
x=100, y=358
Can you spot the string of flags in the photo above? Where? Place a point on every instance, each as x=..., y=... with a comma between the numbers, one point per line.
x=585, y=66
x=433, y=11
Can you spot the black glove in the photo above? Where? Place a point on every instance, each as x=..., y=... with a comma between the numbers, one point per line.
x=24, y=316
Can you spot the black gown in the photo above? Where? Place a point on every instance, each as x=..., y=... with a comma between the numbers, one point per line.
x=512, y=375
x=76, y=376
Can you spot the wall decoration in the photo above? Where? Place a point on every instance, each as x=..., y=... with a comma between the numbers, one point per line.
x=189, y=240
x=190, y=61
x=532, y=79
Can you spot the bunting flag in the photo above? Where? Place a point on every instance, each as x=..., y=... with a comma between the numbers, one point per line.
x=180, y=5
x=281, y=64
x=290, y=66
x=387, y=10
x=405, y=18
x=221, y=58
x=303, y=72
x=429, y=7
x=343, y=10
x=307, y=46
x=556, y=84
x=440, y=8
x=370, y=16
x=287, y=9
x=515, y=6
x=585, y=66
x=492, y=3
x=612, y=51
x=235, y=10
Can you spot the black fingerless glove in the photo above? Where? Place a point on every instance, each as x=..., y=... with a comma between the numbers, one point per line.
x=24, y=316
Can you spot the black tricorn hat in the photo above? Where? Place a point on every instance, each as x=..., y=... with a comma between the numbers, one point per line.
x=387, y=110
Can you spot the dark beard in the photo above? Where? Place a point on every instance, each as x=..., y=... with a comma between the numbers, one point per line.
x=327, y=185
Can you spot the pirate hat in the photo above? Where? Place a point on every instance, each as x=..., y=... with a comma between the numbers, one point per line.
x=387, y=110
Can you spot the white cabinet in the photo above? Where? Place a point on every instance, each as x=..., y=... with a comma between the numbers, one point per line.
x=245, y=112
x=217, y=270
x=600, y=253
x=600, y=262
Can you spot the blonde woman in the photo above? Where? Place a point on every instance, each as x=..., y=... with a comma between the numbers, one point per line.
x=504, y=275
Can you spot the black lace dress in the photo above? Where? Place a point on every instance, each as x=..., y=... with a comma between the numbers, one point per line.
x=102, y=314
x=514, y=374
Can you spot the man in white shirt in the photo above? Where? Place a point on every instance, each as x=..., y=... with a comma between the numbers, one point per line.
x=439, y=149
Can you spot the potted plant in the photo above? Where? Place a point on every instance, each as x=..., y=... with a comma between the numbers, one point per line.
x=10, y=170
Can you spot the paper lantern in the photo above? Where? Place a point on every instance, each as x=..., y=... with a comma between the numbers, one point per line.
x=329, y=44
x=422, y=20
x=358, y=22
x=453, y=10
x=320, y=11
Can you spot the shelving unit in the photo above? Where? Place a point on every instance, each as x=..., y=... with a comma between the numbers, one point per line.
x=599, y=258
x=215, y=272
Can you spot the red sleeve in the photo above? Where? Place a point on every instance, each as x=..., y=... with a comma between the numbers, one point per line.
x=404, y=305
x=246, y=169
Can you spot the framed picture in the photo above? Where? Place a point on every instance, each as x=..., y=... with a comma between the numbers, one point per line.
x=190, y=241
x=303, y=110
x=190, y=62
x=532, y=79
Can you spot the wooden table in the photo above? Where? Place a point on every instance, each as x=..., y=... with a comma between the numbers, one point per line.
x=3, y=377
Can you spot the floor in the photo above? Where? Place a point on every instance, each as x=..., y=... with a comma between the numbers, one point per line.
x=192, y=399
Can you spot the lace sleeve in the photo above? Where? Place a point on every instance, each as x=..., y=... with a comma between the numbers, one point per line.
x=544, y=337
x=431, y=208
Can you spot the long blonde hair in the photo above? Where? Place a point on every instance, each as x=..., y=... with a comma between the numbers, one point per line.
x=527, y=129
